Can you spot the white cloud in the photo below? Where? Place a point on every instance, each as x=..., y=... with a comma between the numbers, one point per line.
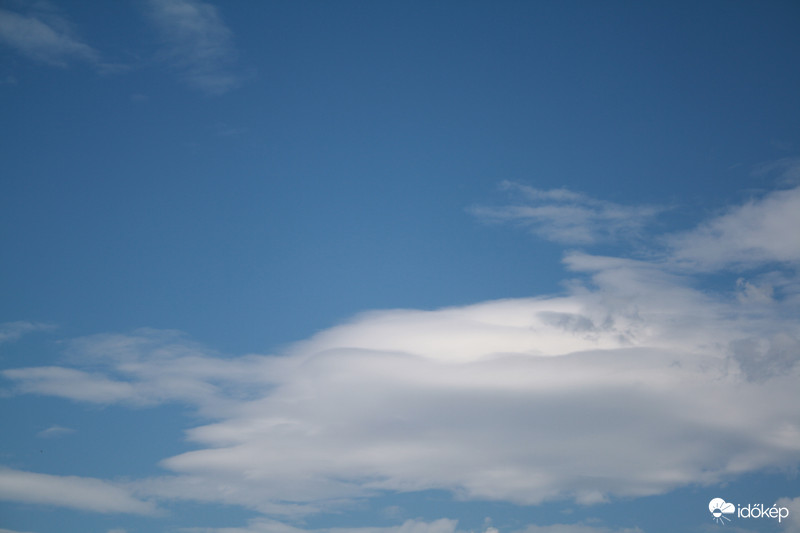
x=46, y=36
x=628, y=388
x=9, y=531
x=632, y=383
x=54, y=431
x=71, y=383
x=568, y=217
x=11, y=331
x=148, y=367
x=83, y=493
x=197, y=43
x=761, y=231
x=792, y=523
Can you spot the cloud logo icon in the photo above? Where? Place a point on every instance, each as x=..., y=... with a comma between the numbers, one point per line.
x=719, y=508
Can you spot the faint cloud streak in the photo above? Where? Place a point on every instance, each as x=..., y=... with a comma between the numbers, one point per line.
x=11, y=331
x=45, y=36
x=198, y=44
x=54, y=431
x=568, y=217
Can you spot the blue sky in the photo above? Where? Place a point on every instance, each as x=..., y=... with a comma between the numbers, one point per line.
x=398, y=267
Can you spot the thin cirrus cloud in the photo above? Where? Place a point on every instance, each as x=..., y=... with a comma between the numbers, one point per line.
x=75, y=492
x=632, y=383
x=197, y=44
x=568, y=217
x=45, y=36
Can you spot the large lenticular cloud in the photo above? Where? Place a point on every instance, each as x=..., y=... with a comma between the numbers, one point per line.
x=633, y=383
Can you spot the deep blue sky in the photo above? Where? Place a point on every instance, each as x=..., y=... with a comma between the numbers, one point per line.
x=253, y=174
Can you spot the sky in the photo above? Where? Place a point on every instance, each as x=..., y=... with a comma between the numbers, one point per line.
x=399, y=267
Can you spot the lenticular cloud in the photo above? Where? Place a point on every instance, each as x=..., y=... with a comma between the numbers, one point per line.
x=583, y=397
x=633, y=383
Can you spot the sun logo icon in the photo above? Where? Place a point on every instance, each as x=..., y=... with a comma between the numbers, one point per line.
x=719, y=508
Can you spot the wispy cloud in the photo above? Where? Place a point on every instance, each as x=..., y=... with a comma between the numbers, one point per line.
x=198, y=44
x=786, y=170
x=75, y=492
x=54, y=431
x=71, y=383
x=761, y=231
x=11, y=331
x=568, y=217
x=46, y=36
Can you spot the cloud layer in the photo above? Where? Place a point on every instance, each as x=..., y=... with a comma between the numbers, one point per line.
x=632, y=383
x=442, y=525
